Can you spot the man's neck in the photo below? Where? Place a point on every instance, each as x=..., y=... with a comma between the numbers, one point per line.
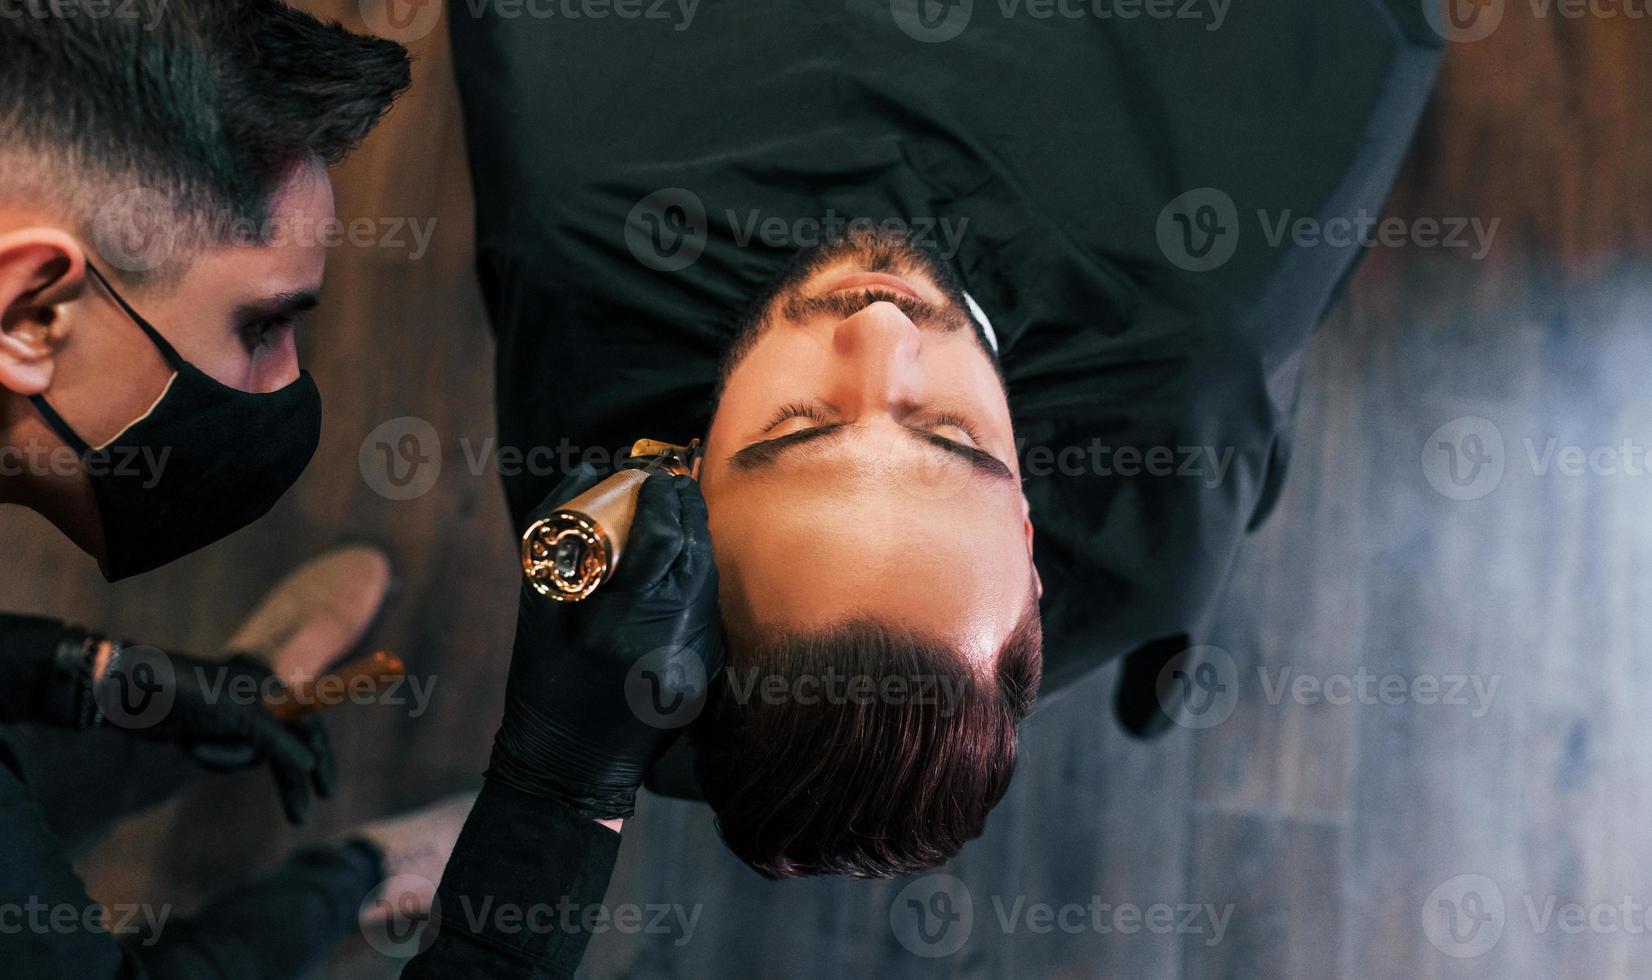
x=13, y=462
x=39, y=472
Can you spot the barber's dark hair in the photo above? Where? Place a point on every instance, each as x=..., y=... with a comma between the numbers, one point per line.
x=207, y=106
x=868, y=786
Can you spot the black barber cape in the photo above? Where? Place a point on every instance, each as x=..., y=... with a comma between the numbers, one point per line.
x=641, y=176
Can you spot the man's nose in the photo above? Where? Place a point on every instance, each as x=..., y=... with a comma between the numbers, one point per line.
x=877, y=352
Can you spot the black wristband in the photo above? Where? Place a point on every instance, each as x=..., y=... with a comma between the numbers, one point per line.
x=533, y=857
x=71, y=698
x=582, y=800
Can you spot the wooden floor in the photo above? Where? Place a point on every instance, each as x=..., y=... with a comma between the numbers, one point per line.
x=1324, y=839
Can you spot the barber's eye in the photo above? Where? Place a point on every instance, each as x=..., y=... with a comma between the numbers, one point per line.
x=261, y=335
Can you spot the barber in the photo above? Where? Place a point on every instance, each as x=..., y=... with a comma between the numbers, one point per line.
x=598, y=691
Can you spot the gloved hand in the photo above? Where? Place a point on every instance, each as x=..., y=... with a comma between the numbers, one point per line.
x=214, y=708
x=599, y=689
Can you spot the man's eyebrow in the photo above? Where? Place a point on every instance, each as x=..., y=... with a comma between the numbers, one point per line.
x=762, y=454
x=984, y=462
x=278, y=307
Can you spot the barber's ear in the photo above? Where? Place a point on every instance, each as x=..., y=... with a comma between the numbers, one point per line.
x=41, y=269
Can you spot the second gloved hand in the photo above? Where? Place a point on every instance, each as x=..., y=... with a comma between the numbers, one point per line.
x=599, y=689
x=217, y=705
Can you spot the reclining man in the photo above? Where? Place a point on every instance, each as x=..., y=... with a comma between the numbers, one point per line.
x=720, y=234
x=993, y=375
x=134, y=158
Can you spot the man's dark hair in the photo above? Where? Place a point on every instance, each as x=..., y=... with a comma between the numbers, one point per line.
x=861, y=750
x=206, y=106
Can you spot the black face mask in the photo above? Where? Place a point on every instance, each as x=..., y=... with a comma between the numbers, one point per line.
x=203, y=463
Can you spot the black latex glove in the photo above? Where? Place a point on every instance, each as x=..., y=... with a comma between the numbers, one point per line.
x=214, y=708
x=599, y=689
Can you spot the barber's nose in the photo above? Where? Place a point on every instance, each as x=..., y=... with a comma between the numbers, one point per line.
x=878, y=349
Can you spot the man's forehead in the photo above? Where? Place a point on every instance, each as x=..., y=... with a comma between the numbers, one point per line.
x=811, y=554
x=308, y=189
x=287, y=255
x=967, y=588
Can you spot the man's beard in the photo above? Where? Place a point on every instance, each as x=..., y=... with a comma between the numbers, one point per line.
x=871, y=252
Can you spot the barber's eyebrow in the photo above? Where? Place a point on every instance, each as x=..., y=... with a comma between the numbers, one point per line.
x=760, y=455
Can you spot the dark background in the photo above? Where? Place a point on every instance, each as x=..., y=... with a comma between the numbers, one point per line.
x=1327, y=826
